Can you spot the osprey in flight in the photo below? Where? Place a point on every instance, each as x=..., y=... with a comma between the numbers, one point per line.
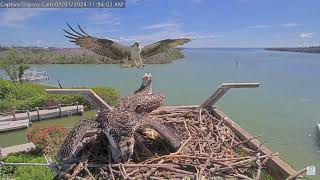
x=116, y=51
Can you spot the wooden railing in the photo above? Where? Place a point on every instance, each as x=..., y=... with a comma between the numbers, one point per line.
x=88, y=93
x=14, y=112
x=222, y=90
x=18, y=116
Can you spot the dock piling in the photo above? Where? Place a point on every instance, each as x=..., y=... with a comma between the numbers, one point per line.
x=14, y=115
x=77, y=107
x=28, y=114
x=59, y=107
x=37, y=109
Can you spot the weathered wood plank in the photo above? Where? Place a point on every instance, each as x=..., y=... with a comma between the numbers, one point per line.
x=17, y=148
x=87, y=92
x=23, y=120
x=44, y=113
x=222, y=90
x=55, y=112
x=240, y=85
x=13, y=125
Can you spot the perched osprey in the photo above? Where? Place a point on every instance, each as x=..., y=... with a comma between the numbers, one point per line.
x=143, y=100
x=116, y=51
x=121, y=124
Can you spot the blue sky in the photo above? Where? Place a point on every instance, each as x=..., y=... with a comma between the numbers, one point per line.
x=212, y=23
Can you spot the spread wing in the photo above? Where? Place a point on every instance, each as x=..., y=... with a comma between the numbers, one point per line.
x=104, y=47
x=162, y=46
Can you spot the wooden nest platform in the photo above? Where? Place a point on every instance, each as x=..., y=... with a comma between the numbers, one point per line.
x=210, y=149
x=213, y=147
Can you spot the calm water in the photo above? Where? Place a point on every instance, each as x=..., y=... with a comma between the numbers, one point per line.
x=284, y=110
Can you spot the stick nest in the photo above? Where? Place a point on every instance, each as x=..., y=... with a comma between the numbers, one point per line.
x=209, y=150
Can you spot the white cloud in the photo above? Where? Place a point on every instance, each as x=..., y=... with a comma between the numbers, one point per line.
x=104, y=18
x=206, y=36
x=260, y=26
x=127, y=39
x=149, y=38
x=113, y=39
x=18, y=17
x=122, y=39
x=161, y=26
x=307, y=35
x=35, y=43
x=291, y=25
x=157, y=36
x=100, y=31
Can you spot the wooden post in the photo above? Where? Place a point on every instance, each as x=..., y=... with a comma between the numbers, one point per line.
x=38, y=113
x=86, y=92
x=77, y=108
x=59, y=106
x=14, y=115
x=28, y=114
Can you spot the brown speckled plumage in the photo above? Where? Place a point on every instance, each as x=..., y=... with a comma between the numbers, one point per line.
x=169, y=134
x=74, y=137
x=120, y=124
x=142, y=100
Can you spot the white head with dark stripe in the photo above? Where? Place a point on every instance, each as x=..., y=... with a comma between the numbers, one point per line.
x=147, y=78
x=146, y=84
x=136, y=44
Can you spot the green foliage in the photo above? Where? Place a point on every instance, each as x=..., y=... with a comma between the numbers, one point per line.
x=264, y=175
x=110, y=95
x=6, y=88
x=25, y=172
x=28, y=96
x=13, y=65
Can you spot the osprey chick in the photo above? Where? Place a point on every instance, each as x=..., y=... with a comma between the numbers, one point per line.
x=116, y=51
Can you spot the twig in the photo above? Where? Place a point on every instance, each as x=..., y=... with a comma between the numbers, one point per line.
x=243, y=177
x=104, y=173
x=88, y=172
x=152, y=170
x=294, y=176
x=110, y=169
x=123, y=171
x=185, y=143
x=180, y=148
x=209, y=149
x=258, y=175
x=251, y=159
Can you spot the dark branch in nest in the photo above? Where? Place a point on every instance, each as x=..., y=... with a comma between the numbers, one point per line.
x=209, y=149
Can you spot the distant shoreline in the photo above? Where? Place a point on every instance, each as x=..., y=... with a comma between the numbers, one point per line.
x=53, y=55
x=297, y=49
